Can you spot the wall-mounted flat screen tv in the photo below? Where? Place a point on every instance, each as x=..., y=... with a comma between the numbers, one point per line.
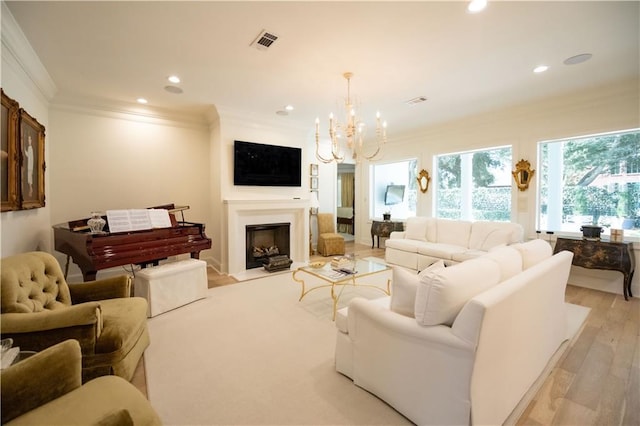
x=394, y=194
x=256, y=164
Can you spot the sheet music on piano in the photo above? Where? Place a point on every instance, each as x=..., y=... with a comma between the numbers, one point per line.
x=137, y=219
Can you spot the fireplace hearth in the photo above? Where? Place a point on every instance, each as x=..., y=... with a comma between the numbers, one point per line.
x=267, y=245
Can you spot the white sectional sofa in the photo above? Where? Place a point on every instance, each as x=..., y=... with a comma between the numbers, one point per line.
x=426, y=240
x=460, y=344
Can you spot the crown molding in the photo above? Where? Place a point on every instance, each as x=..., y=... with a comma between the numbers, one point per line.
x=259, y=121
x=133, y=112
x=16, y=49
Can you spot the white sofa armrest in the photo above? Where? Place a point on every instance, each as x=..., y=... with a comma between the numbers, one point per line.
x=423, y=372
x=397, y=234
x=378, y=315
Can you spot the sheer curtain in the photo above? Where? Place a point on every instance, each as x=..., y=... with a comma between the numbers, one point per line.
x=347, y=189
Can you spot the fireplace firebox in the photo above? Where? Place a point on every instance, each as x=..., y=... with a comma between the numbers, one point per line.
x=265, y=241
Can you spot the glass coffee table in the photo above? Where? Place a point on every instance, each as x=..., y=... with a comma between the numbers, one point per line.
x=363, y=268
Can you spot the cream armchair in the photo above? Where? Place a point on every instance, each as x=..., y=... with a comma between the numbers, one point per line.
x=39, y=309
x=46, y=389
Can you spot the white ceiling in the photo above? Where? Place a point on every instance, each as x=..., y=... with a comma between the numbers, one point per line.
x=463, y=63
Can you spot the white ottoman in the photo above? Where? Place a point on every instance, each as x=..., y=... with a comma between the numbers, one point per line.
x=172, y=285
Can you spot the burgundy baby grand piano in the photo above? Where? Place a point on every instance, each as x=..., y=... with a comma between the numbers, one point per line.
x=93, y=252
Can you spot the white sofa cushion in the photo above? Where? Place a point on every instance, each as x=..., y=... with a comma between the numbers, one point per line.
x=406, y=245
x=485, y=235
x=442, y=293
x=533, y=252
x=420, y=228
x=453, y=232
x=467, y=255
x=404, y=285
x=440, y=250
x=509, y=260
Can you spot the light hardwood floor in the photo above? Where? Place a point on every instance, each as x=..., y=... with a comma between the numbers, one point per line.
x=597, y=381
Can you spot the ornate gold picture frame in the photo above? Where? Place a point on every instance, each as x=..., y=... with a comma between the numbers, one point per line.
x=9, y=155
x=32, y=164
x=423, y=180
x=523, y=174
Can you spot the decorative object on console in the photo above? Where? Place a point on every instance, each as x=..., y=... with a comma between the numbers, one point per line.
x=423, y=180
x=523, y=174
x=591, y=232
x=351, y=131
x=96, y=223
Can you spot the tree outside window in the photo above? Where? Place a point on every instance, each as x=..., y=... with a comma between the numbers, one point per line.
x=474, y=185
x=592, y=180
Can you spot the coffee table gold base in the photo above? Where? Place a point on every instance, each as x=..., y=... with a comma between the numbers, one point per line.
x=364, y=268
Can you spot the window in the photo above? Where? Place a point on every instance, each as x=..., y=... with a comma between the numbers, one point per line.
x=599, y=180
x=474, y=185
x=394, y=189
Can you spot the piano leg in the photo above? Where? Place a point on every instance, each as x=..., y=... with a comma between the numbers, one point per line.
x=89, y=275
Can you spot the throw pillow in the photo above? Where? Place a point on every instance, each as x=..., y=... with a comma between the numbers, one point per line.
x=442, y=293
x=403, y=288
x=533, y=252
x=416, y=229
x=509, y=260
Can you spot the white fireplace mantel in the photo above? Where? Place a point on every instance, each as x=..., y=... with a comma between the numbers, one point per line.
x=240, y=213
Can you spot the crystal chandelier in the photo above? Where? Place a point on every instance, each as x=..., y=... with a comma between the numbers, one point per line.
x=352, y=132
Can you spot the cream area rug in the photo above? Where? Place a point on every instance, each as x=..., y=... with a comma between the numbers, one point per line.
x=251, y=353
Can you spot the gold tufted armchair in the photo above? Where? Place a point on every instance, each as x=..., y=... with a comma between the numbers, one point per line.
x=329, y=242
x=39, y=309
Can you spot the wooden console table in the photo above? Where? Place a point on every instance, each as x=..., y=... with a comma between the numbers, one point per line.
x=384, y=229
x=602, y=255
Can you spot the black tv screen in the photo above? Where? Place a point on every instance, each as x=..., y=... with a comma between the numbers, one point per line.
x=394, y=194
x=256, y=164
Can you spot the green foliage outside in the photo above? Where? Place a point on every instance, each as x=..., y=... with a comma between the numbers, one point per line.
x=493, y=203
x=584, y=161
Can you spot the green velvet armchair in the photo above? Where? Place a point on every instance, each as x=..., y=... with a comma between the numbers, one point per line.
x=39, y=309
x=46, y=389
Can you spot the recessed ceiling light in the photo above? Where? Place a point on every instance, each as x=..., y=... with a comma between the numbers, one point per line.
x=578, y=59
x=540, y=68
x=476, y=6
x=142, y=100
x=174, y=79
x=289, y=107
x=173, y=89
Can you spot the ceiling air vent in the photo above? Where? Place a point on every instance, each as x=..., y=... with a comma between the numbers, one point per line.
x=264, y=40
x=416, y=100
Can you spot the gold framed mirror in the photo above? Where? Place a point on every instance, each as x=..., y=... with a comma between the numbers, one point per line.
x=523, y=174
x=423, y=180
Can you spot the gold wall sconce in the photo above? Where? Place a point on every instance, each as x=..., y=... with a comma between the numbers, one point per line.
x=423, y=180
x=523, y=174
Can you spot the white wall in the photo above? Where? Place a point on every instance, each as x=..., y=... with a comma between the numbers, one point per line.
x=104, y=160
